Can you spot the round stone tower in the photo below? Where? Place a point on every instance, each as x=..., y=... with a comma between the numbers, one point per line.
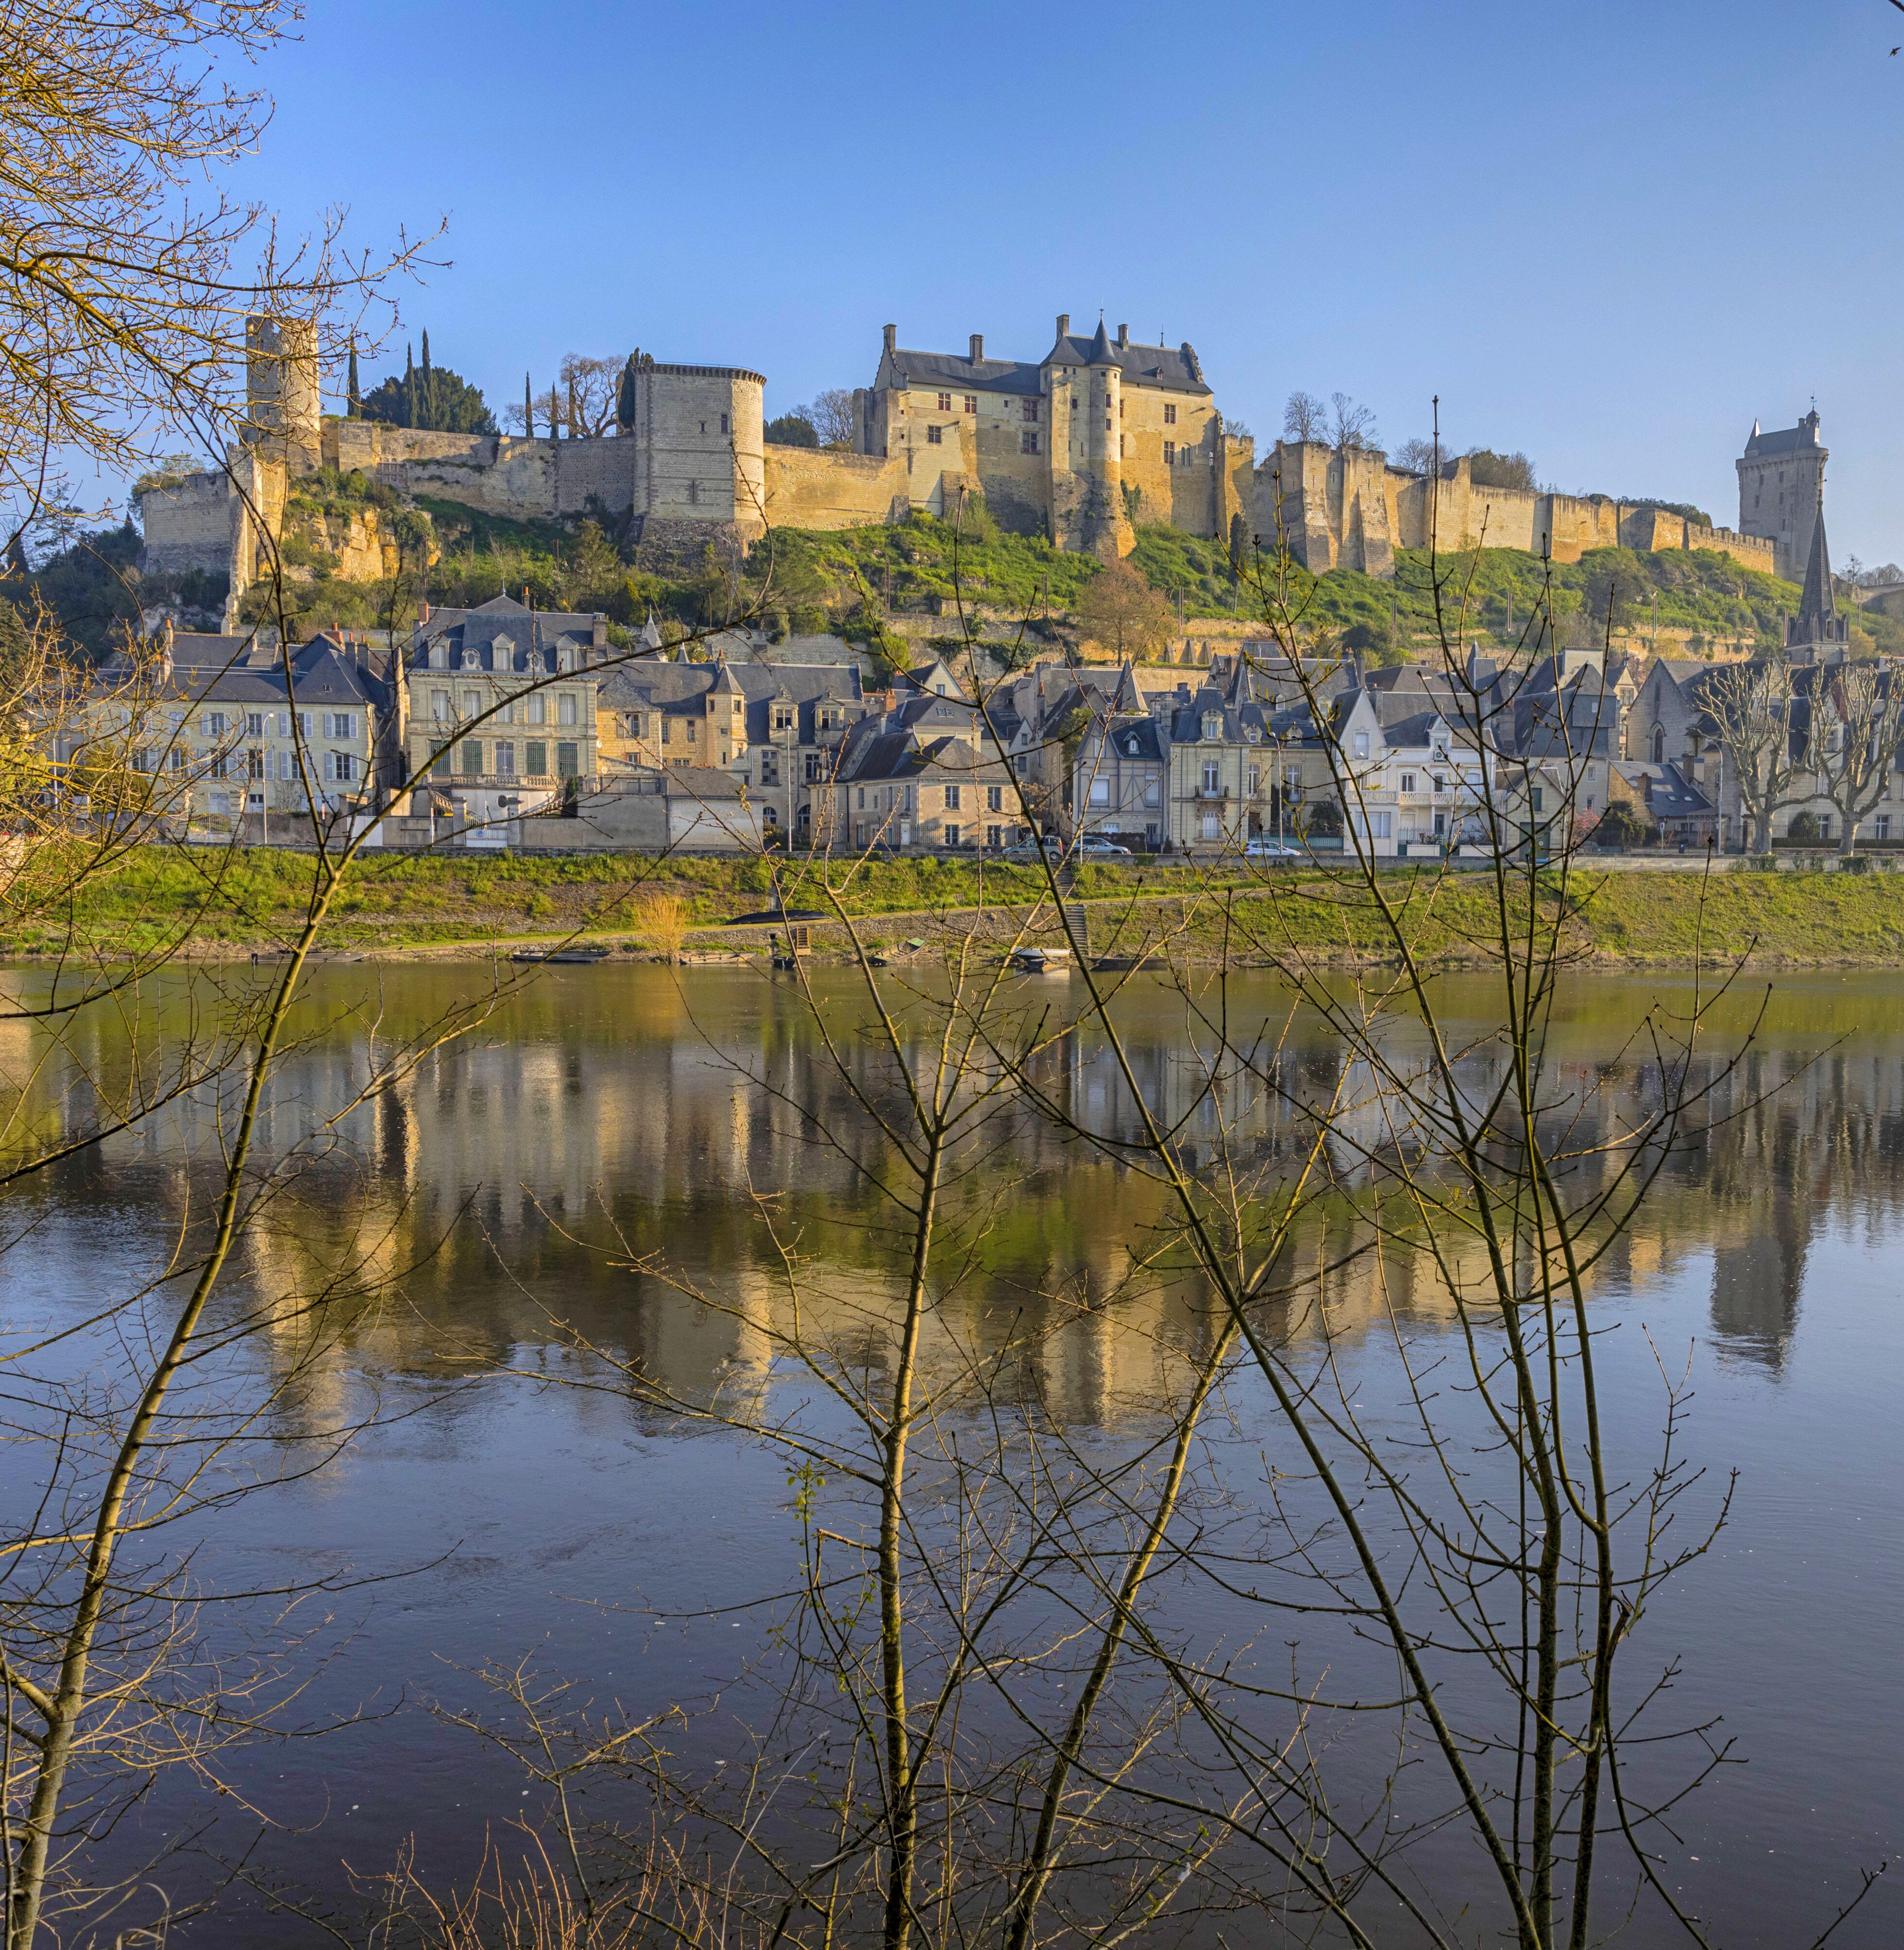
x=1106, y=525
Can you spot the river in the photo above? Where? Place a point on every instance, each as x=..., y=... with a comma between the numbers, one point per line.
x=502, y=1498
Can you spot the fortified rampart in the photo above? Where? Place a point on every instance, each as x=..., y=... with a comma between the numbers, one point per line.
x=1098, y=435
x=1353, y=510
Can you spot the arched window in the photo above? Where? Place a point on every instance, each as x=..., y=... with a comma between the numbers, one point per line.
x=1659, y=744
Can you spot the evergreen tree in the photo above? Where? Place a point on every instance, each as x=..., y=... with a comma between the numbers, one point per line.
x=352, y=402
x=528, y=408
x=574, y=410
x=409, y=390
x=624, y=398
x=555, y=413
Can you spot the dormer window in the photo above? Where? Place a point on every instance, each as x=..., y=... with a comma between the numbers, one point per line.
x=1212, y=725
x=439, y=656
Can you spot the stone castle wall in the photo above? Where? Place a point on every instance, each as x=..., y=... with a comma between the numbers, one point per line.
x=695, y=465
x=1353, y=511
x=810, y=488
x=188, y=525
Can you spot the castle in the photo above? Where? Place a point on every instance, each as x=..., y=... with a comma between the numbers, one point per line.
x=1100, y=435
x=1351, y=509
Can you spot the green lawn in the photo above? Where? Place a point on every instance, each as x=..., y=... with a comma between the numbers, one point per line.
x=254, y=899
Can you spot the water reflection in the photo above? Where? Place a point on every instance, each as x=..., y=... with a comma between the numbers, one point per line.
x=613, y=1108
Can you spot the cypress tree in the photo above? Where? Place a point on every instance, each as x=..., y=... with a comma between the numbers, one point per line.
x=409, y=387
x=528, y=408
x=624, y=397
x=574, y=411
x=555, y=413
x=352, y=398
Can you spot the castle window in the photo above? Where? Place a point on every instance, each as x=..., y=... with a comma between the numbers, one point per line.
x=694, y=491
x=1170, y=415
x=1120, y=447
x=945, y=402
x=972, y=402
x=1169, y=453
x=935, y=436
x=1030, y=410
x=723, y=423
x=1029, y=443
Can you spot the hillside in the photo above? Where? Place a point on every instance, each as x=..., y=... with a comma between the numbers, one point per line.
x=357, y=554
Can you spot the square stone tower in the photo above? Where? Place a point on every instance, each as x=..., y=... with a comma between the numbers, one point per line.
x=1782, y=488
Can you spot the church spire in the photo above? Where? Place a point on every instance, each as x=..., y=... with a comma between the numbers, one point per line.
x=1817, y=620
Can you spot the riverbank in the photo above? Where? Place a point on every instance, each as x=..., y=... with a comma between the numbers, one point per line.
x=251, y=903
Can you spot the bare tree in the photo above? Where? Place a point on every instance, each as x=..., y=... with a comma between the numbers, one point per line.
x=1119, y=610
x=124, y=300
x=589, y=386
x=833, y=417
x=1304, y=417
x=1417, y=455
x=1855, y=735
x=1750, y=704
x=1351, y=428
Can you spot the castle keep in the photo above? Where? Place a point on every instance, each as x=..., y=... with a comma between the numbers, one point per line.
x=1781, y=488
x=1098, y=436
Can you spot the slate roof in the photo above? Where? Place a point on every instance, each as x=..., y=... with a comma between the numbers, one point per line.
x=1666, y=791
x=503, y=634
x=237, y=671
x=1138, y=740
x=1172, y=369
x=1801, y=439
x=1817, y=620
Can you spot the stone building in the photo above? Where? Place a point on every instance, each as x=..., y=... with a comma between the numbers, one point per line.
x=464, y=665
x=1781, y=489
x=775, y=727
x=245, y=748
x=1099, y=434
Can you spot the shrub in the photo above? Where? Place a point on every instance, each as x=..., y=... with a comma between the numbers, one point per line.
x=1622, y=825
x=1803, y=830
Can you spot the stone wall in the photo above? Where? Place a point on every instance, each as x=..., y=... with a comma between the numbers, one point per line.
x=1353, y=511
x=188, y=525
x=810, y=488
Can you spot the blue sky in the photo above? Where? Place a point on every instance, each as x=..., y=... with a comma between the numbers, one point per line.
x=1610, y=235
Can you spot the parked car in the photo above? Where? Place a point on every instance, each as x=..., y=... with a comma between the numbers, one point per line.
x=1095, y=843
x=1271, y=849
x=1027, y=849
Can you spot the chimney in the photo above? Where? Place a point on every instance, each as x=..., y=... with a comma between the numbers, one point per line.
x=1064, y=324
x=892, y=337
x=978, y=347
x=423, y=612
x=1123, y=337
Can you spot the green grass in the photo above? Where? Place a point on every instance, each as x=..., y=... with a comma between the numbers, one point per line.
x=1631, y=918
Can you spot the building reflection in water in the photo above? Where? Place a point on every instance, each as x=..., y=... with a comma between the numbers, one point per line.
x=499, y=1187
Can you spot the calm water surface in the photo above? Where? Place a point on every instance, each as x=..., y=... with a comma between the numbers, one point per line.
x=546, y=1518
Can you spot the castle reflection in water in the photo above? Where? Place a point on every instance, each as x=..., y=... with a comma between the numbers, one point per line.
x=500, y=1186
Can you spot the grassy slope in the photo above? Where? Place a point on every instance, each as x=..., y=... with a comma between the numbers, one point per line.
x=1825, y=920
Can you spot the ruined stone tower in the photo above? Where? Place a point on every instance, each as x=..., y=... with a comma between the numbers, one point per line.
x=1782, y=488
x=284, y=400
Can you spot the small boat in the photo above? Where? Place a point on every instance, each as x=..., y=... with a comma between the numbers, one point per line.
x=583, y=957
x=1041, y=961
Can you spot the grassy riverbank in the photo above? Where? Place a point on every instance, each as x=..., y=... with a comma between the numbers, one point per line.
x=252, y=900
